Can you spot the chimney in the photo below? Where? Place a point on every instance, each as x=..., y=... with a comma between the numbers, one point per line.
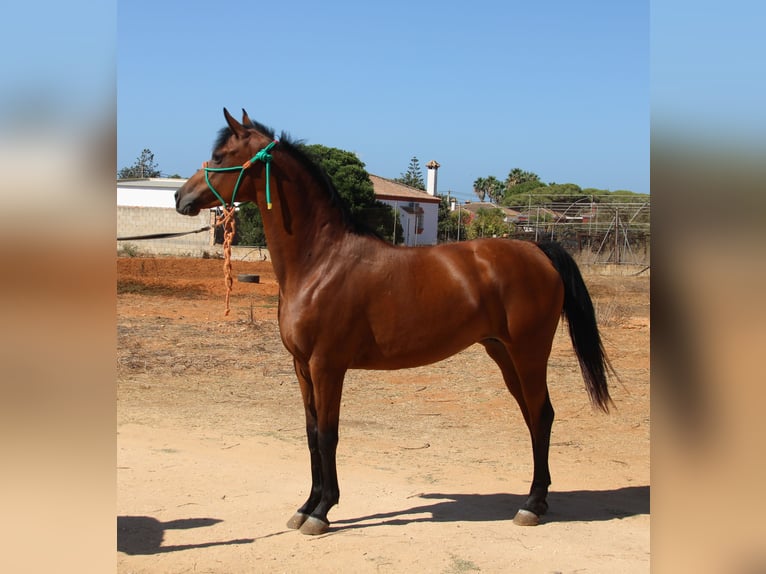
x=433, y=167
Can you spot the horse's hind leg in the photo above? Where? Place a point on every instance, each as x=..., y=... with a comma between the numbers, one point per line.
x=531, y=393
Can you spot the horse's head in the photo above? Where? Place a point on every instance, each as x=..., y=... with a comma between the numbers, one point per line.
x=238, y=160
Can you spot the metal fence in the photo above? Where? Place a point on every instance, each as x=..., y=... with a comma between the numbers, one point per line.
x=613, y=231
x=610, y=229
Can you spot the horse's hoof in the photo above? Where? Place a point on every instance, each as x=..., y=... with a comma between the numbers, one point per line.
x=297, y=520
x=526, y=518
x=314, y=526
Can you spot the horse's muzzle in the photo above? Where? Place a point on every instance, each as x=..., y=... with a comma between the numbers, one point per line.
x=185, y=202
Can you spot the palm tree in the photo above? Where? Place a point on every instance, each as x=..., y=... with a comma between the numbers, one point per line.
x=495, y=189
x=480, y=187
x=517, y=176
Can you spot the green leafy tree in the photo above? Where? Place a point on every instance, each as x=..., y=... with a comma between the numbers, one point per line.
x=250, y=225
x=489, y=222
x=519, y=194
x=455, y=225
x=413, y=176
x=538, y=193
x=489, y=187
x=445, y=223
x=564, y=192
x=480, y=187
x=495, y=189
x=145, y=166
x=348, y=175
x=518, y=175
x=351, y=180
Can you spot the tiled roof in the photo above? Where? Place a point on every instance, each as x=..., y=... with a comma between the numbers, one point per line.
x=391, y=190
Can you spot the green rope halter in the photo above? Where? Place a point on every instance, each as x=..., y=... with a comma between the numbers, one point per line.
x=262, y=155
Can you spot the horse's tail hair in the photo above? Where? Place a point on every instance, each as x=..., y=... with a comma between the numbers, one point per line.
x=583, y=329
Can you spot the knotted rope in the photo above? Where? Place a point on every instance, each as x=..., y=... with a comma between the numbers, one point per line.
x=229, y=222
x=266, y=158
x=227, y=218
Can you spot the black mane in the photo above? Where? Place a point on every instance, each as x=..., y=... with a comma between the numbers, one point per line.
x=296, y=148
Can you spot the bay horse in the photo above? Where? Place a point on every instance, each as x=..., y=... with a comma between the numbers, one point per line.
x=349, y=300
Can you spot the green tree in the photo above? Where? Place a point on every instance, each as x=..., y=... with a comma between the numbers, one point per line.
x=347, y=173
x=351, y=180
x=563, y=192
x=453, y=224
x=250, y=225
x=538, y=193
x=495, y=189
x=480, y=187
x=445, y=224
x=518, y=175
x=489, y=187
x=518, y=195
x=145, y=166
x=489, y=222
x=413, y=176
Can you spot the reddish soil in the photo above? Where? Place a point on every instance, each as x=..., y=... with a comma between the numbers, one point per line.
x=433, y=462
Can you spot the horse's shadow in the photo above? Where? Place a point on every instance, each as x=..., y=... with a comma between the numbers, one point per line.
x=144, y=534
x=573, y=506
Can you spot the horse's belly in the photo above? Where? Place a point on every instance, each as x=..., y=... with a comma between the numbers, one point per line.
x=407, y=353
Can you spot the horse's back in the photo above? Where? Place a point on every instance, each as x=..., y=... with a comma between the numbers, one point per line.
x=507, y=264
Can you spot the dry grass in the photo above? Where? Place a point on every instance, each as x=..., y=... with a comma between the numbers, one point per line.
x=611, y=313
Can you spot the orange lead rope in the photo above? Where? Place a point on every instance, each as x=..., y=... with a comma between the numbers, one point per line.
x=228, y=220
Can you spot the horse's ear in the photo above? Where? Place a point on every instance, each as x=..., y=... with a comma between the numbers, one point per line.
x=246, y=121
x=237, y=128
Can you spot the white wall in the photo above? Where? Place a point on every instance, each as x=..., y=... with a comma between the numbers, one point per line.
x=430, y=222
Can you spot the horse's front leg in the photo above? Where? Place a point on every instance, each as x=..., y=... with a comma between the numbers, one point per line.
x=321, y=392
x=315, y=494
x=312, y=434
x=328, y=387
x=317, y=522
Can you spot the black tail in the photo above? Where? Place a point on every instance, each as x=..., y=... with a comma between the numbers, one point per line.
x=581, y=317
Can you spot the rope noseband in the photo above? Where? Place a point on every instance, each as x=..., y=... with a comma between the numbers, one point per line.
x=262, y=155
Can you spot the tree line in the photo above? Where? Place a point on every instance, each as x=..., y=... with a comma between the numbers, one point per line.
x=522, y=188
x=519, y=190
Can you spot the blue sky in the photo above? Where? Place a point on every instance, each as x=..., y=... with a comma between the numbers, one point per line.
x=559, y=88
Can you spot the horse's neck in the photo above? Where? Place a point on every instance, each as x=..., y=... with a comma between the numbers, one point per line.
x=303, y=227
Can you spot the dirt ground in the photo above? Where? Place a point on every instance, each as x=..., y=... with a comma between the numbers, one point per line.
x=433, y=462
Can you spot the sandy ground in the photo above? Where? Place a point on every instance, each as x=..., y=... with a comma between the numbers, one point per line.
x=433, y=462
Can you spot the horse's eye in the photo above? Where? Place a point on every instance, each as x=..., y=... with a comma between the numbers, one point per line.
x=216, y=158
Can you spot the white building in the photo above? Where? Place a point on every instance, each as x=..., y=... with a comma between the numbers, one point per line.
x=147, y=206
x=418, y=210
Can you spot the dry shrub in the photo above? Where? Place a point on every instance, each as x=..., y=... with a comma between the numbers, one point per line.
x=610, y=312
